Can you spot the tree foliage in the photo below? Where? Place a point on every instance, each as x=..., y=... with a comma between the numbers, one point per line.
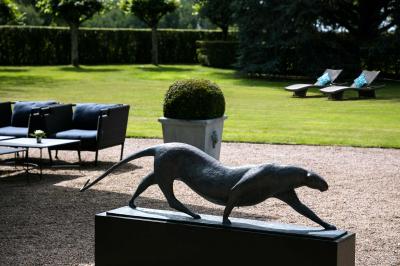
x=304, y=37
x=219, y=12
x=74, y=13
x=365, y=20
x=150, y=11
x=182, y=18
x=9, y=12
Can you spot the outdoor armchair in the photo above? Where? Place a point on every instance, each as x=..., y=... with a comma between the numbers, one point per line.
x=327, y=78
x=23, y=119
x=97, y=126
x=362, y=85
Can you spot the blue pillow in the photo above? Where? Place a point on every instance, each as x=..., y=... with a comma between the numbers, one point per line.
x=324, y=80
x=86, y=115
x=22, y=111
x=361, y=81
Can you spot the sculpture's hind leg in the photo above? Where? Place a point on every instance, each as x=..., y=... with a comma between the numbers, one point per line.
x=293, y=201
x=232, y=202
x=144, y=184
x=168, y=191
x=227, y=212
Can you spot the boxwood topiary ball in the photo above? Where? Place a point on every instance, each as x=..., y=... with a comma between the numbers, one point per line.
x=194, y=99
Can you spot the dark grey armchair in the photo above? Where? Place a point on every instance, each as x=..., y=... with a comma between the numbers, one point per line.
x=97, y=126
x=23, y=119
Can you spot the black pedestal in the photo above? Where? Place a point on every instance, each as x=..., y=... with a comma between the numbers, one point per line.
x=153, y=237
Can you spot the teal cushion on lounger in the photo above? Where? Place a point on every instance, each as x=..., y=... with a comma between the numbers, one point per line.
x=324, y=80
x=361, y=81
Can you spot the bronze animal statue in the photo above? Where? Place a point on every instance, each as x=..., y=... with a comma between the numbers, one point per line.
x=227, y=186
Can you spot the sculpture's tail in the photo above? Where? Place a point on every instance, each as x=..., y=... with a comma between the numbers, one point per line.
x=147, y=152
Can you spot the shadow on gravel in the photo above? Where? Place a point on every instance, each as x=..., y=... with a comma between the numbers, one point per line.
x=45, y=224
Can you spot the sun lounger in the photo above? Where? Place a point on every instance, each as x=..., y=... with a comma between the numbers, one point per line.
x=327, y=78
x=362, y=85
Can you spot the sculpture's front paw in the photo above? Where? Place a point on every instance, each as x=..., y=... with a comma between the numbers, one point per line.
x=132, y=205
x=196, y=216
x=226, y=221
x=330, y=227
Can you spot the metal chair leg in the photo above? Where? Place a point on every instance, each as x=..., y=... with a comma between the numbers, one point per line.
x=79, y=156
x=96, y=157
x=122, y=151
x=50, y=157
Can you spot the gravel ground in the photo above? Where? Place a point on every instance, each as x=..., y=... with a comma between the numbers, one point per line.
x=48, y=222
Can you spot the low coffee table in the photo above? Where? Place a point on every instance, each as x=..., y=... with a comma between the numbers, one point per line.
x=4, y=151
x=29, y=143
x=15, y=151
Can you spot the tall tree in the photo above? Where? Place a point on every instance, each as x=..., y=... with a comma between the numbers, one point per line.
x=365, y=20
x=287, y=37
x=74, y=13
x=219, y=12
x=8, y=12
x=150, y=12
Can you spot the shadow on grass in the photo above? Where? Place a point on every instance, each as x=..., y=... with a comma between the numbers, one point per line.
x=12, y=70
x=378, y=98
x=88, y=70
x=390, y=93
x=310, y=97
x=165, y=68
x=242, y=80
x=25, y=81
x=48, y=224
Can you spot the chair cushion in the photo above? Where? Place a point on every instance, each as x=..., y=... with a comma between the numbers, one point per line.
x=14, y=131
x=361, y=81
x=86, y=115
x=77, y=134
x=323, y=80
x=22, y=110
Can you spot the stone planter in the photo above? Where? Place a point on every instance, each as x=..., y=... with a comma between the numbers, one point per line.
x=203, y=134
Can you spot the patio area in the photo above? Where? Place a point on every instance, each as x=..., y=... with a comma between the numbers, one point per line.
x=49, y=222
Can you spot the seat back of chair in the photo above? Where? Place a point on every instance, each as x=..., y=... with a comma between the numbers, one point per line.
x=57, y=118
x=5, y=114
x=113, y=125
x=23, y=110
x=86, y=115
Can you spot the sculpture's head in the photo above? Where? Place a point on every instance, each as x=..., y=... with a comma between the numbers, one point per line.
x=315, y=181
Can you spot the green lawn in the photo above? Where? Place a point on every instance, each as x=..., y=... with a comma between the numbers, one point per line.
x=257, y=110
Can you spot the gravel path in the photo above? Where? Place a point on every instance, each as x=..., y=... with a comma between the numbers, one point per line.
x=48, y=222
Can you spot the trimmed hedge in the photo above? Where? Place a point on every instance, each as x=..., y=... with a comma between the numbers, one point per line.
x=194, y=99
x=23, y=45
x=217, y=53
